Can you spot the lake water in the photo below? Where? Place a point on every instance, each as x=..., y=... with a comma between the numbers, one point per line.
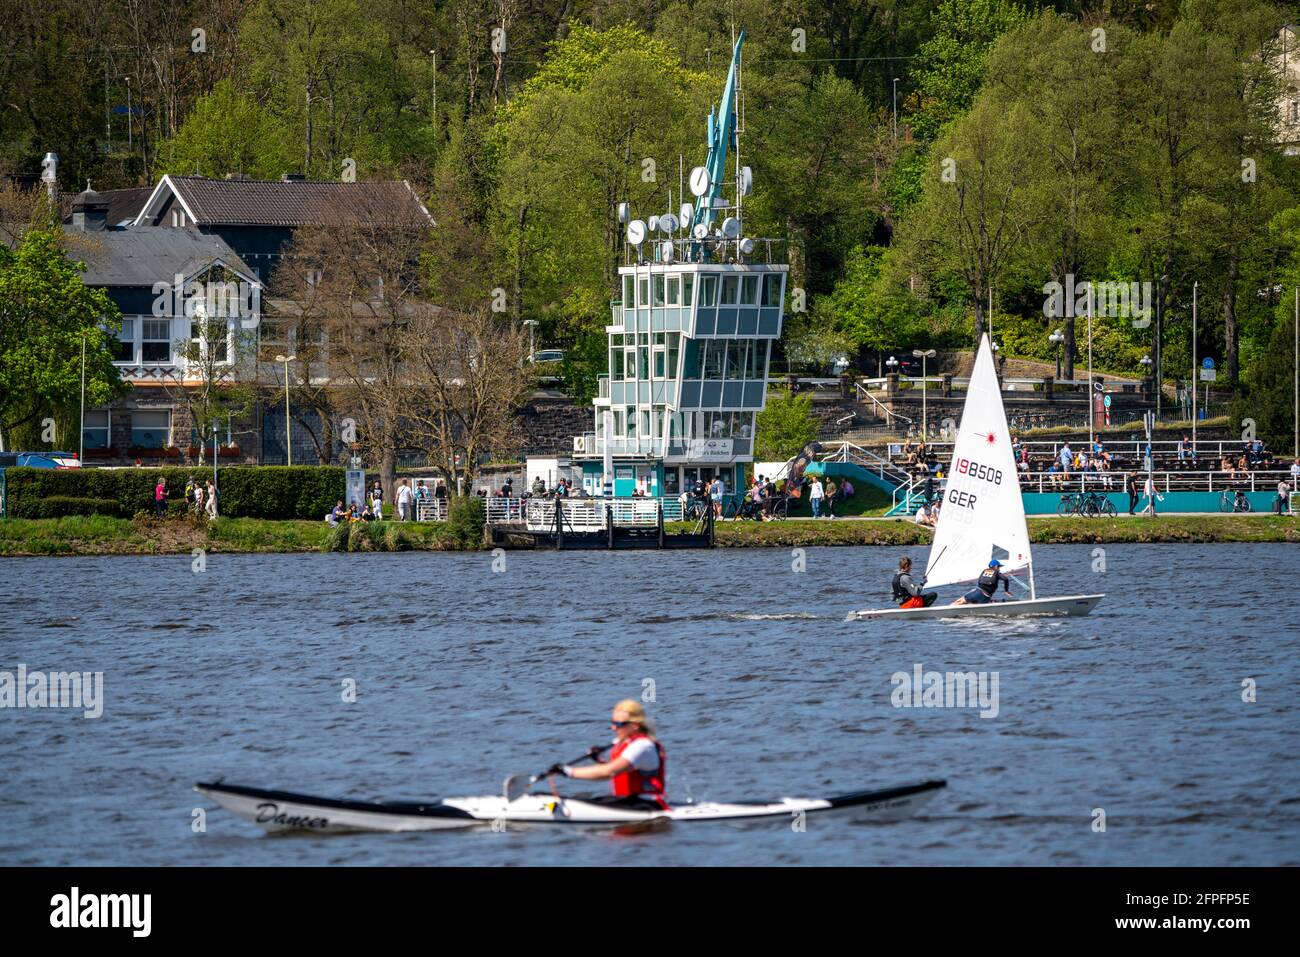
x=464, y=675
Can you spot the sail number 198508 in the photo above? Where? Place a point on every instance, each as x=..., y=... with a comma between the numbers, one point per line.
x=975, y=470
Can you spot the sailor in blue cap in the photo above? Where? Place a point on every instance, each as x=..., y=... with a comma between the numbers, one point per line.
x=986, y=586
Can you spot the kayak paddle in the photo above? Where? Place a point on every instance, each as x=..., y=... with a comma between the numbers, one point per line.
x=517, y=785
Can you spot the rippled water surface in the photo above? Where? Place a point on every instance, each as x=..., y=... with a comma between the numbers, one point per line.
x=464, y=675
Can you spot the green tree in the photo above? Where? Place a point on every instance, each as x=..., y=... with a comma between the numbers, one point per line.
x=45, y=312
x=784, y=427
x=228, y=132
x=954, y=56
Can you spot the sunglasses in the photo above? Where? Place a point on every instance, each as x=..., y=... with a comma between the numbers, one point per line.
x=619, y=724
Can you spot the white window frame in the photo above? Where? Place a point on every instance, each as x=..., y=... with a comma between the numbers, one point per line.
x=171, y=346
x=107, y=429
x=167, y=440
x=134, y=341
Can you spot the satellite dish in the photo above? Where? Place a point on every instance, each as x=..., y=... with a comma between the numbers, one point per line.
x=636, y=232
x=701, y=231
x=746, y=181
x=731, y=227
x=699, y=181
x=666, y=250
x=687, y=211
x=654, y=223
x=747, y=245
x=667, y=222
x=624, y=212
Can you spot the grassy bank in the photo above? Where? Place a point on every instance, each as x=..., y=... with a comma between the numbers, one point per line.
x=98, y=535
x=1170, y=528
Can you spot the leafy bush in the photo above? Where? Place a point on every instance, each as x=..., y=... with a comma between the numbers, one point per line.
x=465, y=521
x=299, y=491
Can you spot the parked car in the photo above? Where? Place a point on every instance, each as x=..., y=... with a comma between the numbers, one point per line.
x=40, y=460
x=549, y=360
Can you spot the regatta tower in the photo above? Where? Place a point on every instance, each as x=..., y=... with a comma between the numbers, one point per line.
x=690, y=340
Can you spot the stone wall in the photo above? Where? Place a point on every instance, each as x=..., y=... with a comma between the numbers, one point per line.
x=549, y=425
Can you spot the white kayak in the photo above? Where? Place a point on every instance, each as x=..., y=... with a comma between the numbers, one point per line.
x=284, y=811
x=1029, y=607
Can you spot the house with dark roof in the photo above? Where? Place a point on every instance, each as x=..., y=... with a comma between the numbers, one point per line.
x=166, y=284
x=257, y=218
x=193, y=242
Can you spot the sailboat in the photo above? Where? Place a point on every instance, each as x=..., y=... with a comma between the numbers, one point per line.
x=983, y=514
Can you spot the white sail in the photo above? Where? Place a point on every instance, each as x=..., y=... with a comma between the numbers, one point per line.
x=983, y=515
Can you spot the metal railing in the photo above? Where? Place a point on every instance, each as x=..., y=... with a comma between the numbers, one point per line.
x=582, y=514
x=1165, y=481
x=865, y=458
x=431, y=510
x=711, y=250
x=879, y=407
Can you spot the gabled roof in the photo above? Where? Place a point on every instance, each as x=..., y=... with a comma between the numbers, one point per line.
x=144, y=255
x=123, y=204
x=244, y=202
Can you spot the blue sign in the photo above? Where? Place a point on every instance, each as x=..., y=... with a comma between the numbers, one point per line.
x=1107, y=401
x=1208, y=363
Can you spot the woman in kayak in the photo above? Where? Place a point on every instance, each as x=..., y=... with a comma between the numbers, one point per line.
x=636, y=768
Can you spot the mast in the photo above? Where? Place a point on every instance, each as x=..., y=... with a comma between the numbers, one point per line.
x=721, y=136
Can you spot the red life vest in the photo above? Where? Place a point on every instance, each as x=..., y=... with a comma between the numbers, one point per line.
x=633, y=782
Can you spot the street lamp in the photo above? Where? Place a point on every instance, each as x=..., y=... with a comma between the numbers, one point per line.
x=895, y=109
x=1057, y=338
x=924, y=354
x=531, y=324
x=288, y=439
x=892, y=363
x=81, y=449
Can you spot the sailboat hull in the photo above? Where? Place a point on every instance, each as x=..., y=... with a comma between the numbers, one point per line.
x=1068, y=605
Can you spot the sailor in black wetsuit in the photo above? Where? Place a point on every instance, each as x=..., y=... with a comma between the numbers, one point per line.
x=986, y=586
x=907, y=593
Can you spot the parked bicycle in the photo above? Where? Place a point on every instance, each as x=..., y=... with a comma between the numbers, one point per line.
x=1086, y=505
x=1234, y=501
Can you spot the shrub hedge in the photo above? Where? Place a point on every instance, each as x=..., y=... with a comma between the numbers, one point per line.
x=268, y=491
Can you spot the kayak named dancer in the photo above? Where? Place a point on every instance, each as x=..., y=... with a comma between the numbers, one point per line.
x=986, y=586
x=637, y=764
x=908, y=593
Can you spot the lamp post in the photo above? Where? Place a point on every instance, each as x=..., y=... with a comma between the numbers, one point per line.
x=531, y=324
x=81, y=448
x=1193, y=376
x=1057, y=338
x=892, y=363
x=924, y=354
x=895, y=109
x=1092, y=411
x=288, y=438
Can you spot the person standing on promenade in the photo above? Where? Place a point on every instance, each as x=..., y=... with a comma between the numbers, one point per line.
x=815, y=496
x=160, y=498
x=1131, y=489
x=404, y=502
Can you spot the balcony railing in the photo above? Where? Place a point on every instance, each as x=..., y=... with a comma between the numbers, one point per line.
x=767, y=252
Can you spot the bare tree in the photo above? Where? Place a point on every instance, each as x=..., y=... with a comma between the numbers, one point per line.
x=464, y=384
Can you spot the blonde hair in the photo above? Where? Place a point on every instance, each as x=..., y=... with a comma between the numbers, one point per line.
x=636, y=713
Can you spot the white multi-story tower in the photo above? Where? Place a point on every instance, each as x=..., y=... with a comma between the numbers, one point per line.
x=691, y=338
